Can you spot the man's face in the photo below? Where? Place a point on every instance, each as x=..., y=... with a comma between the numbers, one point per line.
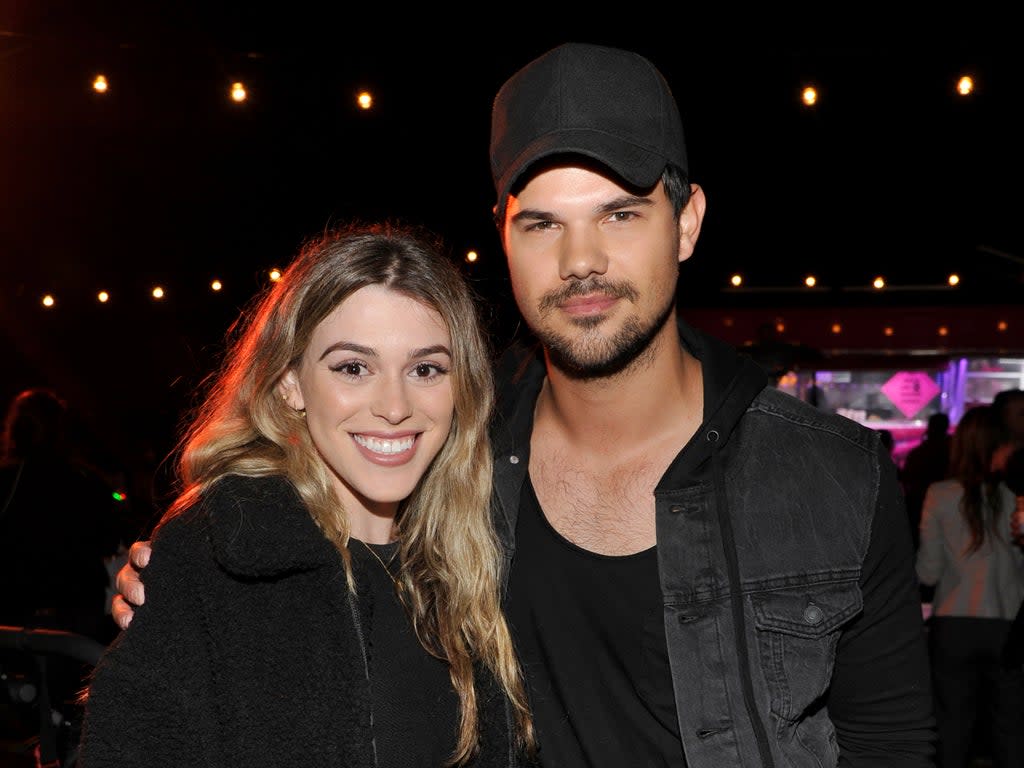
x=593, y=267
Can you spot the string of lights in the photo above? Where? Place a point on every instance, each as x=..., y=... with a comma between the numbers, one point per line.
x=238, y=95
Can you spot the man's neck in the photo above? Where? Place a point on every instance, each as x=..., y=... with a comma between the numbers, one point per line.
x=658, y=392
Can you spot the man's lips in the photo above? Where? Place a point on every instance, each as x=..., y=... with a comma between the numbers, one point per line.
x=592, y=304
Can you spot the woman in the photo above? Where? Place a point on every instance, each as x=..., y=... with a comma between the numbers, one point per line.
x=324, y=590
x=967, y=553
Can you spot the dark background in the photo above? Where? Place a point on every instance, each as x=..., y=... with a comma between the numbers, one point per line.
x=164, y=180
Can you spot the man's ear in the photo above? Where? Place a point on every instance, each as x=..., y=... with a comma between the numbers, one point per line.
x=690, y=220
x=290, y=391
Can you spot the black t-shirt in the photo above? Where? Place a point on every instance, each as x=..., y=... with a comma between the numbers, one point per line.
x=589, y=630
x=415, y=707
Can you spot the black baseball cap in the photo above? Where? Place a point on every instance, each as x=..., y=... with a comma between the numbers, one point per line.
x=607, y=104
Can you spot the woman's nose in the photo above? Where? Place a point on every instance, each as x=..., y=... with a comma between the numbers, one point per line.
x=391, y=402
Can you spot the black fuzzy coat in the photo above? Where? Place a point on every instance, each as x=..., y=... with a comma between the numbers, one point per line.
x=248, y=651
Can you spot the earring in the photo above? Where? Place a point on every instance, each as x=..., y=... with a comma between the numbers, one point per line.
x=300, y=411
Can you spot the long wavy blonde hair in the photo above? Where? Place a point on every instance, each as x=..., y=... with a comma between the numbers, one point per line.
x=449, y=577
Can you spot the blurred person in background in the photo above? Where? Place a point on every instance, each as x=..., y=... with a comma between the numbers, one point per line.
x=926, y=463
x=886, y=436
x=1013, y=476
x=968, y=554
x=53, y=507
x=1009, y=463
x=1008, y=407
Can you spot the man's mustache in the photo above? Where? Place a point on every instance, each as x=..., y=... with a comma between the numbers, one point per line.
x=592, y=285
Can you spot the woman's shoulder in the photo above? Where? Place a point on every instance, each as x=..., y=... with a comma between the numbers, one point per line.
x=248, y=490
x=230, y=497
x=259, y=526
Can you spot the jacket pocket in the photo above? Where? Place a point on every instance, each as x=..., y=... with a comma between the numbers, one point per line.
x=797, y=632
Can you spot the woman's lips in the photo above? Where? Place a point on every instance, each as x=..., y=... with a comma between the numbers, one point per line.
x=386, y=451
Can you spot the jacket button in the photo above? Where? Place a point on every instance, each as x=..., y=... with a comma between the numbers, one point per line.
x=813, y=614
x=513, y=459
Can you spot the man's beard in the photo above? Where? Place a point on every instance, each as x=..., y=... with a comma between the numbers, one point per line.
x=586, y=359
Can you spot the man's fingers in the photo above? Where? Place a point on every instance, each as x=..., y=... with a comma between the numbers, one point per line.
x=127, y=580
x=129, y=586
x=138, y=554
x=121, y=612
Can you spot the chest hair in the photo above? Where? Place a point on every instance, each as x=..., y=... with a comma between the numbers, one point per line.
x=601, y=504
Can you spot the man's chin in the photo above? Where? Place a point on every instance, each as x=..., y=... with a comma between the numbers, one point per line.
x=592, y=366
x=598, y=357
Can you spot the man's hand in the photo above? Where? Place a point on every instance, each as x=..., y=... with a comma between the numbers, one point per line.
x=129, y=586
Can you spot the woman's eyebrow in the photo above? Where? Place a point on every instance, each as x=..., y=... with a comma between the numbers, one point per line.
x=349, y=346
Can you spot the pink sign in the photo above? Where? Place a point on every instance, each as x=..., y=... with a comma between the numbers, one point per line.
x=910, y=391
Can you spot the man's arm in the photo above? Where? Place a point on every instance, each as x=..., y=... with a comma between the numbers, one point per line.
x=880, y=699
x=131, y=593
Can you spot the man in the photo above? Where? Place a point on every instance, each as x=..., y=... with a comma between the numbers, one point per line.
x=1008, y=406
x=702, y=571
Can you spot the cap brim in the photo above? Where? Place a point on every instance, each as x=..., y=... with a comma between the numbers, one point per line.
x=634, y=165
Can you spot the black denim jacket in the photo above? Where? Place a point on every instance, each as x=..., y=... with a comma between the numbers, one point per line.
x=792, y=614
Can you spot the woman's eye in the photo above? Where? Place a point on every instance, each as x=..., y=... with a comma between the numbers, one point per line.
x=428, y=370
x=349, y=369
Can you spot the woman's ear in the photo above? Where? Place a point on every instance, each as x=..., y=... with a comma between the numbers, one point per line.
x=290, y=391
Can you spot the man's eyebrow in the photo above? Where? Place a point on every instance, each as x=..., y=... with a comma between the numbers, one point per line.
x=532, y=214
x=615, y=204
x=624, y=201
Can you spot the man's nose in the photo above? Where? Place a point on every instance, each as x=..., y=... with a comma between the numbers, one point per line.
x=582, y=254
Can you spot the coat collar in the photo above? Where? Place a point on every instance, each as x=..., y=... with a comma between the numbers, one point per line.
x=260, y=528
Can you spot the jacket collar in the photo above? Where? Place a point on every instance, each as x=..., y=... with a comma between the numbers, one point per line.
x=260, y=528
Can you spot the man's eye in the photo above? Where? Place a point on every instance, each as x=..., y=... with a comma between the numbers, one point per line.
x=539, y=226
x=623, y=215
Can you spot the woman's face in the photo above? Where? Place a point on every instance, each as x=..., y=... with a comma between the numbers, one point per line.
x=376, y=387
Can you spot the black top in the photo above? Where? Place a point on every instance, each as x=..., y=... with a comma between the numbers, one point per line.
x=417, y=726
x=590, y=634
